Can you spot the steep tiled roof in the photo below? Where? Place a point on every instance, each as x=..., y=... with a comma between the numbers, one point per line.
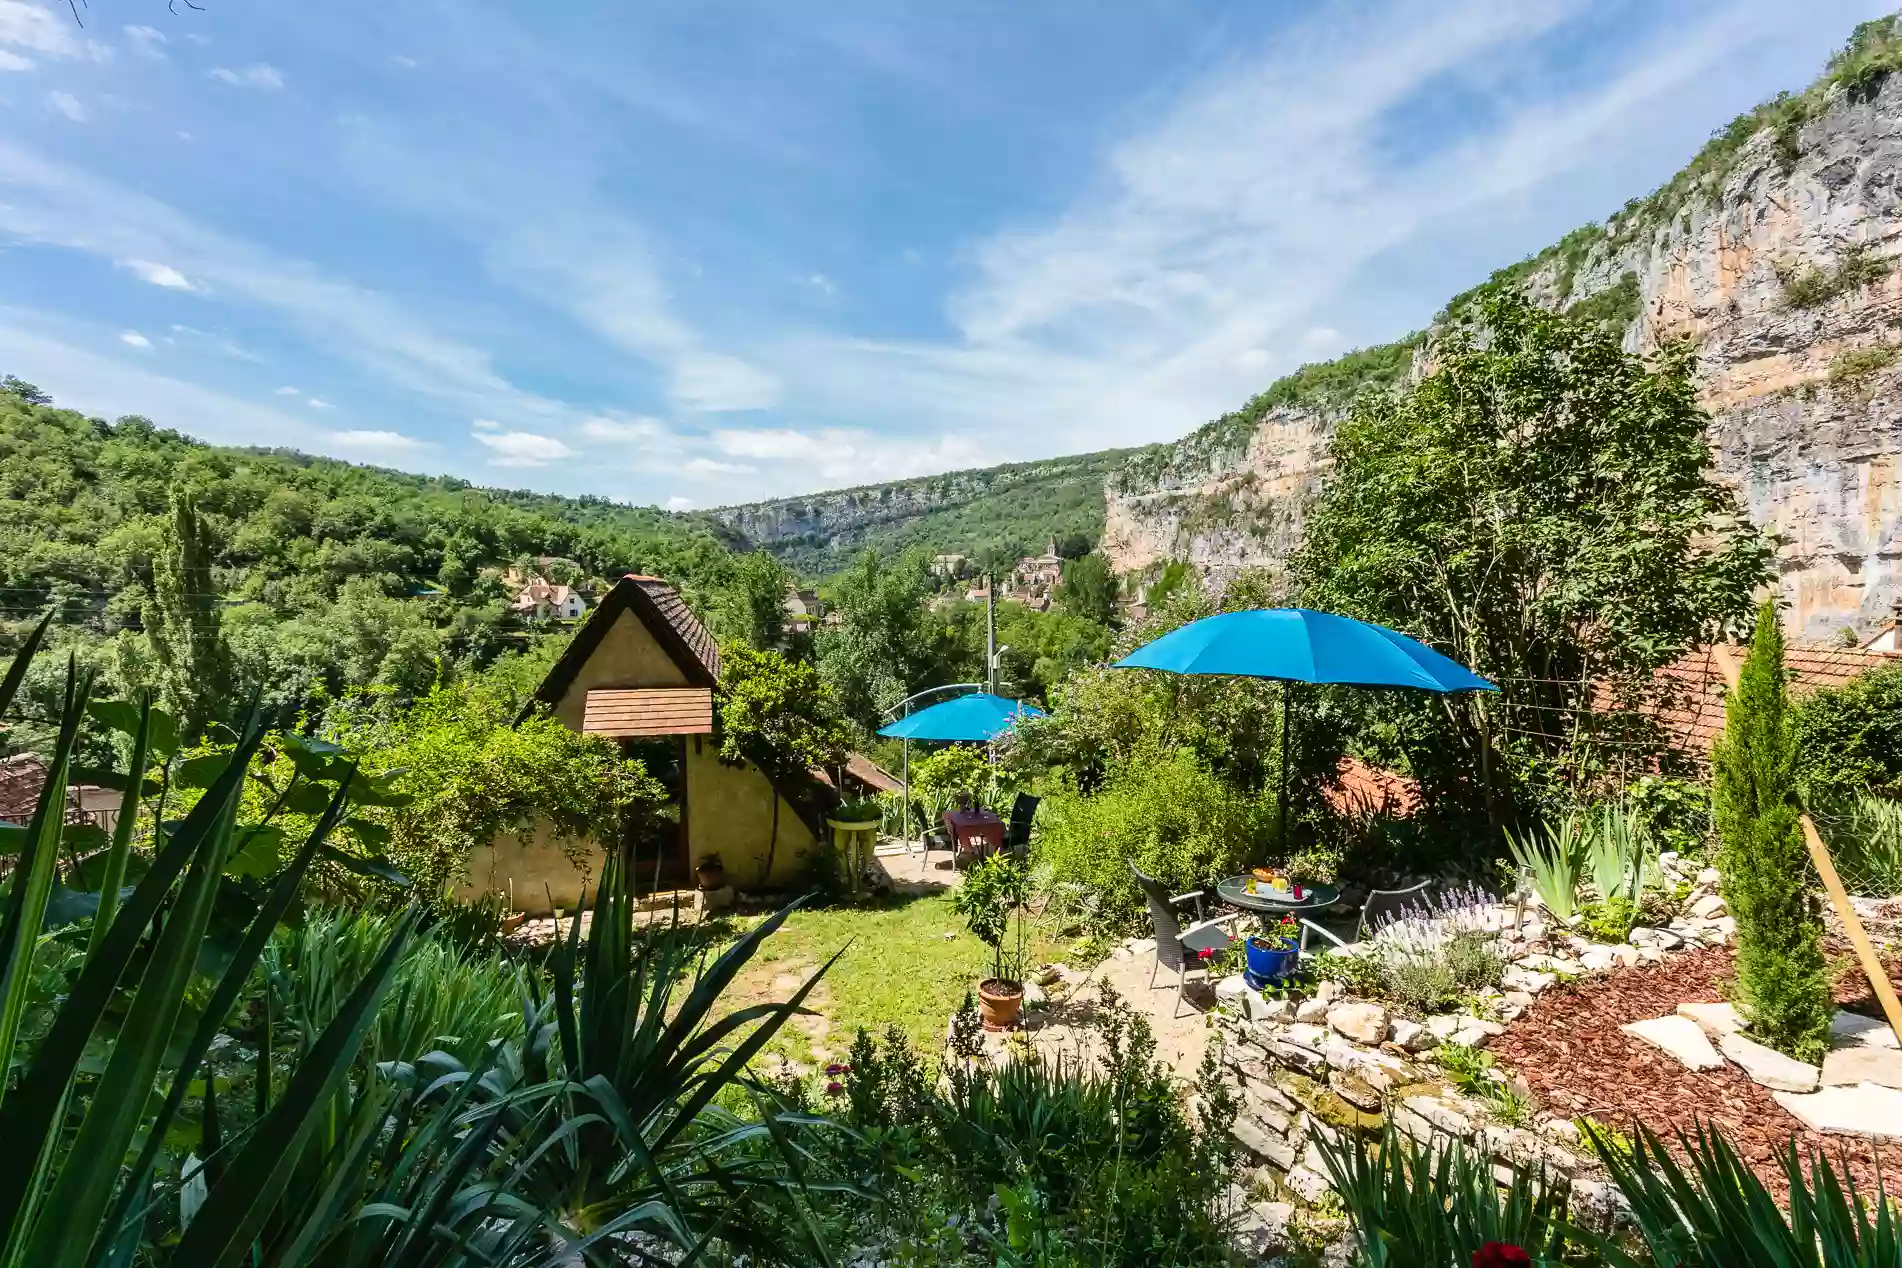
x=673, y=609
x=1697, y=685
x=1361, y=788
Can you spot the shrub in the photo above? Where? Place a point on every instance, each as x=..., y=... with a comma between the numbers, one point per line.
x=1781, y=978
x=1612, y=919
x=1849, y=738
x=953, y=769
x=1044, y=1161
x=1171, y=815
x=1436, y=953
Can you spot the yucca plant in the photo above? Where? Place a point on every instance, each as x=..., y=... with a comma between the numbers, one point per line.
x=1719, y=1214
x=1552, y=859
x=1413, y=1207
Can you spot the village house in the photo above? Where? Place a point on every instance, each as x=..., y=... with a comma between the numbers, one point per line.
x=545, y=600
x=804, y=608
x=642, y=672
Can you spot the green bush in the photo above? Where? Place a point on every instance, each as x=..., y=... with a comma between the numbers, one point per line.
x=1782, y=981
x=1612, y=919
x=1171, y=815
x=953, y=769
x=1849, y=738
x=1044, y=1161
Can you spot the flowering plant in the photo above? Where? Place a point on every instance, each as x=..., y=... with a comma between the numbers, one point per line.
x=1501, y=1255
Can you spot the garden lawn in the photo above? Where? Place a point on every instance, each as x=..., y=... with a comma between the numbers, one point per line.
x=906, y=962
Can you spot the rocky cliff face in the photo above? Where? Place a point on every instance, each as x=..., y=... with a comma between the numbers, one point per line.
x=961, y=512
x=1776, y=251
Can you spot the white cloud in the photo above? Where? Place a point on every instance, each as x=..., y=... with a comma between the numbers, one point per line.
x=315, y=403
x=523, y=448
x=678, y=503
x=145, y=40
x=135, y=339
x=376, y=441
x=13, y=61
x=1321, y=339
x=713, y=466
x=157, y=274
x=286, y=390
x=823, y=284
x=399, y=60
x=487, y=424
x=39, y=29
x=217, y=342
x=68, y=105
x=643, y=433
x=257, y=75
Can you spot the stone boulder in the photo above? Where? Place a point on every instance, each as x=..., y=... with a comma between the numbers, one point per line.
x=1362, y=1022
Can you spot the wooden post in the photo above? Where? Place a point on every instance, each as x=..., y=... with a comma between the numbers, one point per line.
x=1833, y=886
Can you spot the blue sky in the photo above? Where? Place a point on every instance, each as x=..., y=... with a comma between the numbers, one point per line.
x=696, y=253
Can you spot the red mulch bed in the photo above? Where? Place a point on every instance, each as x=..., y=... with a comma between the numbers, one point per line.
x=1569, y=1050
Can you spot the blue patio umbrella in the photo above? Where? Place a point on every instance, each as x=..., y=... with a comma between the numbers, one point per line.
x=1300, y=645
x=977, y=717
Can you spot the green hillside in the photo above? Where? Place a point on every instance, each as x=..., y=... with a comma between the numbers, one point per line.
x=328, y=575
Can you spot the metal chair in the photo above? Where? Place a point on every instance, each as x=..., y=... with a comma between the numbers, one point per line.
x=1380, y=902
x=1175, y=945
x=1017, y=831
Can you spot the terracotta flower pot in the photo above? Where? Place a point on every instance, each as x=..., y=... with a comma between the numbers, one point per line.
x=998, y=1003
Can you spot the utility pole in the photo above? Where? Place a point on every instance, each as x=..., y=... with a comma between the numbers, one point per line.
x=990, y=633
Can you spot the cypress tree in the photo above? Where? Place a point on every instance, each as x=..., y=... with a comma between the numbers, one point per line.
x=181, y=621
x=1783, y=988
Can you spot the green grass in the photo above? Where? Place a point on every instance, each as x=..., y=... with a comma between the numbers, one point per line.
x=898, y=969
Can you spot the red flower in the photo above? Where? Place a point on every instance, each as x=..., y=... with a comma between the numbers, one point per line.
x=836, y=1088
x=836, y=1069
x=1206, y=953
x=1501, y=1255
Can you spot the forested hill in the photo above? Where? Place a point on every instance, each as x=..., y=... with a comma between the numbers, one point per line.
x=327, y=575
x=1002, y=510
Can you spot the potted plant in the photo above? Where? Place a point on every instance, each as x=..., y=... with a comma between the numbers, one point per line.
x=1273, y=951
x=855, y=832
x=865, y=812
x=711, y=873
x=993, y=892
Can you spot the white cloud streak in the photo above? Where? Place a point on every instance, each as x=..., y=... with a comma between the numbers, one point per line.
x=68, y=105
x=259, y=75
x=522, y=449
x=157, y=274
x=133, y=338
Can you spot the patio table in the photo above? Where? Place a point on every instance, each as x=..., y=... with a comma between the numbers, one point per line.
x=976, y=832
x=1234, y=891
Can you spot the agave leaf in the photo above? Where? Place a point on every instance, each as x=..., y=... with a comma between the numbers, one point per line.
x=73, y=1210
x=123, y=829
x=16, y=672
x=236, y=1209
x=39, y=856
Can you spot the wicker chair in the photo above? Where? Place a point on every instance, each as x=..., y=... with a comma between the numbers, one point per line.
x=1380, y=903
x=1177, y=947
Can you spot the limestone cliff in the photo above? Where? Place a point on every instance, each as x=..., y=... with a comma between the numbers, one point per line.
x=1776, y=251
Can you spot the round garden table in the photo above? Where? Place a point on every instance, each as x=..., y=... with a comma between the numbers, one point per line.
x=1234, y=892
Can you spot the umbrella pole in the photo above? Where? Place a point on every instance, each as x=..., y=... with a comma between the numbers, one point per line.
x=1282, y=830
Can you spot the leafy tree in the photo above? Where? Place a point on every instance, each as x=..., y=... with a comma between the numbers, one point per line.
x=782, y=716
x=1174, y=577
x=885, y=646
x=181, y=620
x=1540, y=507
x=1782, y=981
x=1088, y=588
x=751, y=606
x=24, y=390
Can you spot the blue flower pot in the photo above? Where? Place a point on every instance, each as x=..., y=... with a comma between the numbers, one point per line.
x=1269, y=959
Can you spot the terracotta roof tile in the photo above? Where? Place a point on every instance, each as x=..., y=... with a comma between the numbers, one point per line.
x=674, y=610
x=1695, y=686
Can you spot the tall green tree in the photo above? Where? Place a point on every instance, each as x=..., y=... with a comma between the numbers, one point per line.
x=1088, y=588
x=751, y=605
x=1783, y=984
x=1538, y=505
x=182, y=621
x=885, y=645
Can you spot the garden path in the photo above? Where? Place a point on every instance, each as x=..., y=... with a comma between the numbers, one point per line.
x=1181, y=1032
